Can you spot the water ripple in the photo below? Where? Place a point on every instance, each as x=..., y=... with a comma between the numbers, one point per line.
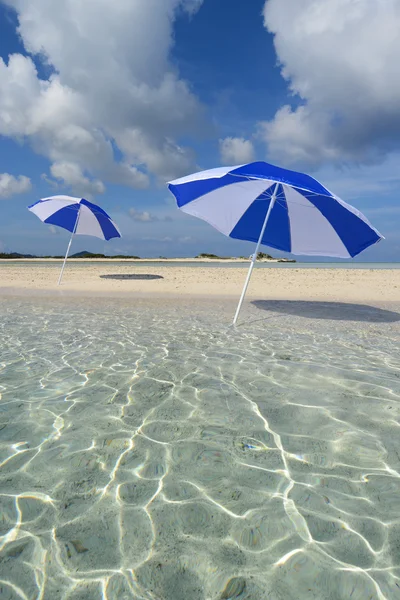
x=148, y=451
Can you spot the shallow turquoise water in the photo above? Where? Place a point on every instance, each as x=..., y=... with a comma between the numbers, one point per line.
x=150, y=451
x=56, y=264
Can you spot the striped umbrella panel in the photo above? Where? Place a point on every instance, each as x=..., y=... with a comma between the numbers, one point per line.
x=306, y=219
x=76, y=215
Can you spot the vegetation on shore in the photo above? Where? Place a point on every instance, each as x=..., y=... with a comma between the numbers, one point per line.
x=86, y=254
x=14, y=255
x=212, y=256
x=260, y=256
x=90, y=255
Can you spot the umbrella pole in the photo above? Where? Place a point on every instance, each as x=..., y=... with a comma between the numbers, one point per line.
x=254, y=257
x=69, y=246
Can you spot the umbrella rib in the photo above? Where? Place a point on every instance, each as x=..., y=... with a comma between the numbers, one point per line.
x=255, y=178
x=300, y=204
x=268, y=194
x=281, y=205
x=68, y=206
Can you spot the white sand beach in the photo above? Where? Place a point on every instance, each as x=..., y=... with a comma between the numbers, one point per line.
x=345, y=285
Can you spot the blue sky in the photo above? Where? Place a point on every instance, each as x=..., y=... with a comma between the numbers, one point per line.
x=110, y=101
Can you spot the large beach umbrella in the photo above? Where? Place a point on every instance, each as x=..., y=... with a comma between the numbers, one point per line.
x=78, y=216
x=283, y=209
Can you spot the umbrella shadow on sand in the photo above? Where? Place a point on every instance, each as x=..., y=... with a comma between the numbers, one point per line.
x=140, y=277
x=336, y=311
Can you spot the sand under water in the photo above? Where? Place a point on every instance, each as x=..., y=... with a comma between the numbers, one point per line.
x=148, y=450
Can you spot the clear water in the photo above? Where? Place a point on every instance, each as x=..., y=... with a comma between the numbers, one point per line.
x=150, y=451
x=55, y=264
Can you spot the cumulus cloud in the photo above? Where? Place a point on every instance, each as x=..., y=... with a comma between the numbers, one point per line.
x=147, y=217
x=164, y=159
x=10, y=185
x=71, y=174
x=340, y=59
x=236, y=151
x=113, y=107
x=142, y=217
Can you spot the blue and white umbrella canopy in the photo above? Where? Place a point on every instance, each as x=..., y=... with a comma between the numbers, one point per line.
x=305, y=218
x=276, y=207
x=77, y=215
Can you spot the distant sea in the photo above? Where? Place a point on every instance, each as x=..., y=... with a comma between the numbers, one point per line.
x=224, y=264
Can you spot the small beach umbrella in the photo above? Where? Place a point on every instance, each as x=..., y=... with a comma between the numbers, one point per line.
x=283, y=209
x=78, y=216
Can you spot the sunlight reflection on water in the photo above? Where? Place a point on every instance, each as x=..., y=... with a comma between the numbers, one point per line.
x=149, y=450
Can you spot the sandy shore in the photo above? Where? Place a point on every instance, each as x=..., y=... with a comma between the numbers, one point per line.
x=357, y=285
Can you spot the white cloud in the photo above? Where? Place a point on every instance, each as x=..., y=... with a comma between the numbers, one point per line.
x=142, y=217
x=341, y=60
x=10, y=185
x=165, y=159
x=72, y=175
x=236, y=151
x=111, y=86
x=147, y=217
